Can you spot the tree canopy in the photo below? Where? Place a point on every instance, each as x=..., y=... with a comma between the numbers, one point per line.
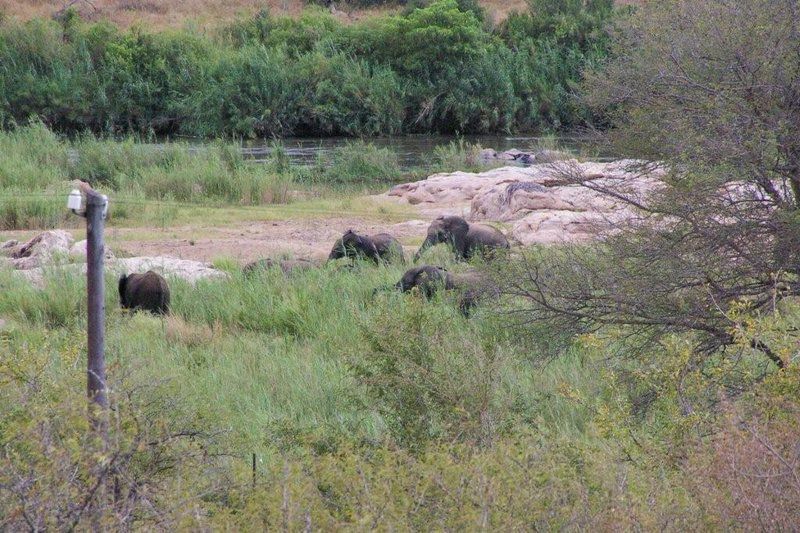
x=709, y=91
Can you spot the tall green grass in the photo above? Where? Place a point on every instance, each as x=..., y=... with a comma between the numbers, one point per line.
x=364, y=163
x=269, y=357
x=37, y=161
x=361, y=408
x=144, y=180
x=153, y=183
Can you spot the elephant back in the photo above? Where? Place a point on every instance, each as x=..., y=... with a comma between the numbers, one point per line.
x=474, y=287
x=389, y=249
x=351, y=244
x=428, y=279
x=148, y=292
x=482, y=238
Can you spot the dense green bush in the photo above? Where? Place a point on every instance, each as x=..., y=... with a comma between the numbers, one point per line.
x=435, y=67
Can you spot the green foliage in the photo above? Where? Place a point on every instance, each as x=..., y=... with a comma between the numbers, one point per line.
x=351, y=97
x=20, y=211
x=458, y=154
x=361, y=162
x=553, y=44
x=56, y=472
x=364, y=410
x=369, y=410
x=37, y=166
x=578, y=22
x=432, y=68
x=434, y=378
x=248, y=92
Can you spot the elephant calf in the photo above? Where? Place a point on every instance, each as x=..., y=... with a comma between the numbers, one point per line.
x=288, y=266
x=148, y=292
x=473, y=286
x=466, y=239
x=379, y=247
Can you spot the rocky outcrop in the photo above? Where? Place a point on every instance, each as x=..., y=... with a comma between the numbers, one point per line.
x=40, y=250
x=542, y=203
x=191, y=271
x=30, y=260
x=78, y=251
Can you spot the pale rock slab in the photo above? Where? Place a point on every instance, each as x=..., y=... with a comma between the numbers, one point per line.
x=541, y=206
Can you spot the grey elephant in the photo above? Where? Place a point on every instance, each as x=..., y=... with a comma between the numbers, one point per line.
x=466, y=239
x=146, y=292
x=288, y=266
x=428, y=279
x=472, y=286
x=381, y=247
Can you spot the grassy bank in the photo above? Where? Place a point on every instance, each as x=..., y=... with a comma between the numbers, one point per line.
x=438, y=68
x=177, y=183
x=365, y=411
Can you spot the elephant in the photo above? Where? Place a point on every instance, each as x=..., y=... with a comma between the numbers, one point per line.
x=466, y=239
x=378, y=248
x=148, y=292
x=426, y=278
x=288, y=266
x=472, y=286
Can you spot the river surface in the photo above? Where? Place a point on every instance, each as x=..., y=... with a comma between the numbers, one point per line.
x=414, y=151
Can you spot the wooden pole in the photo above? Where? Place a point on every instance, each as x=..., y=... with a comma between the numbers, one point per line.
x=95, y=251
x=96, y=387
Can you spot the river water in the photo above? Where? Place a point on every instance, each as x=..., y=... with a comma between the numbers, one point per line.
x=413, y=151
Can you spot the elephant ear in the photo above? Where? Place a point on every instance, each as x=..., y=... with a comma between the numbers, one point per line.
x=338, y=250
x=458, y=229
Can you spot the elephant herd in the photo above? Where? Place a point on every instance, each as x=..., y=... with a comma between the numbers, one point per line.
x=150, y=292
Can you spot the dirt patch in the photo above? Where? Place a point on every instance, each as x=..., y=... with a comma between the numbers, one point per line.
x=310, y=239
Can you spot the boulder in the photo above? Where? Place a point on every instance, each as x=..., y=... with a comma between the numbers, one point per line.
x=451, y=193
x=78, y=251
x=191, y=271
x=40, y=250
x=550, y=156
x=542, y=207
x=509, y=155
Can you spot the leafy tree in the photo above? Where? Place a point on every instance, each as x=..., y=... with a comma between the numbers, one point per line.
x=709, y=90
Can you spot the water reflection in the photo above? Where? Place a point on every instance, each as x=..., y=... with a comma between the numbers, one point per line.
x=413, y=151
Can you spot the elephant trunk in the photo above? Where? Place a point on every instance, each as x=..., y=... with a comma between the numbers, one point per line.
x=425, y=245
x=460, y=243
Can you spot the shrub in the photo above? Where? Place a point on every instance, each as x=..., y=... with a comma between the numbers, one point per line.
x=360, y=162
x=32, y=178
x=19, y=210
x=351, y=97
x=431, y=378
x=55, y=472
x=250, y=92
